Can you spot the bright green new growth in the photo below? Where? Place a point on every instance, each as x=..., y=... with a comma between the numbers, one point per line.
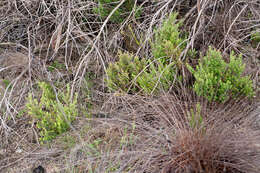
x=105, y=7
x=53, y=117
x=217, y=80
x=130, y=74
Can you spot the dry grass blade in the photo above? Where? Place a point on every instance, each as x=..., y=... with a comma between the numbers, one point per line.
x=56, y=38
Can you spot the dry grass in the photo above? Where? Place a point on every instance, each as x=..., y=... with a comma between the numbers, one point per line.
x=154, y=135
x=142, y=134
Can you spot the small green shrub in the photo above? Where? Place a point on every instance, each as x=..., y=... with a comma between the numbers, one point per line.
x=151, y=76
x=130, y=74
x=255, y=38
x=157, y=77
x=170, y=42
x=105, y=7
x=217, y=80
x=122, y=73
x=52, y=117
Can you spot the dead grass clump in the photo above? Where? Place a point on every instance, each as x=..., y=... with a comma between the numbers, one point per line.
x=157, y=135
x=217, y=145
x=216, y=150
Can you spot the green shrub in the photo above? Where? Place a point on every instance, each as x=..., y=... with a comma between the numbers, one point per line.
x=156, y=78
x=105, y=7
x=130, y=74
x=167, y=39
x=52, y=117
x=169, y=43
x=151, y=76
x=217, y=80
x=255, y=38
x=122, y=73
